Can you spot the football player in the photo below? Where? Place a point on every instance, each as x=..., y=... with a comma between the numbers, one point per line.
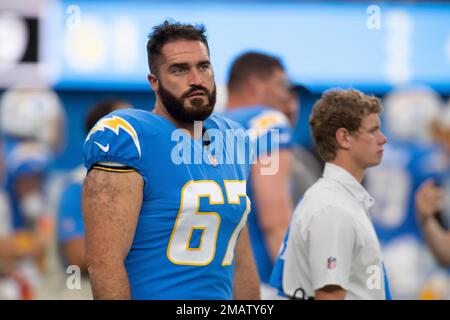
x=260, y=100
x=159, y=224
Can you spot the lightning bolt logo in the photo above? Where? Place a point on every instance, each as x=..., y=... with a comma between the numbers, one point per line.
x=114, y=124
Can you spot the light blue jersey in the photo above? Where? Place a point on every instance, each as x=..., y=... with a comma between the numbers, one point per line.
x=192, y=213
x=262, y=119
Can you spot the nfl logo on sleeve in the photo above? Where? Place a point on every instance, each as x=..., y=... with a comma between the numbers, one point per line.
x=331, y=263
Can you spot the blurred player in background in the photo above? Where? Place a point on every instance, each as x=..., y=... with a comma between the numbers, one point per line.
x=441, y=129
x=429, y=201
x=31, y=121
x=5, y=213
x=9, y=288
x=433, y=212
x=411, y=157
x=260, y=100
x=157, y=226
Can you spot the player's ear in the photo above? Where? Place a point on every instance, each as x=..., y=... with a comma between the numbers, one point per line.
x=343, y=138
x=153, y=80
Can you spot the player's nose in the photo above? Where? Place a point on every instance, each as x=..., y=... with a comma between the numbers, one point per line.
x=383, y=139
x=195, y=78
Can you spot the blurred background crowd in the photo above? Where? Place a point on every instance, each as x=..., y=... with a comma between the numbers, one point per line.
x=64, y=64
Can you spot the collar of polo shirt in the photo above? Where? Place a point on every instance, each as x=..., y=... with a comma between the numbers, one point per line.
x=349, y=182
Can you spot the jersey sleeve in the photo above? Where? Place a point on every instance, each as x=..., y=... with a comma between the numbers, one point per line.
x=115, y=139
x=270, y=131
x=331, y=239
x=70, y=219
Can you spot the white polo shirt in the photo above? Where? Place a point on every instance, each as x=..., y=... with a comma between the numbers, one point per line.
x=332, y=240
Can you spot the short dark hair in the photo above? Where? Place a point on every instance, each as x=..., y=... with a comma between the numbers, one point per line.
x=169, y=31
x=339, y=109
x=101, y=109
x=252, y=64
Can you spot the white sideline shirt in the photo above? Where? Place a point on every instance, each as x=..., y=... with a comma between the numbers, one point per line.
x=332, y=240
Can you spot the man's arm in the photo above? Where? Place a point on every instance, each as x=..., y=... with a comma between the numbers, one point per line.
x=111, y=205
x=330, y=293
x=273, y=199
x=331, y=239
x=246, y=280
x=429, y=200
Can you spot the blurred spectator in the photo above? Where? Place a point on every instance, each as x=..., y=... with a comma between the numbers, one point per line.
x=442, y=133
x=31, y=121
x=432, y=200
x=429, y=201
x=410, y=157
x=260, y=100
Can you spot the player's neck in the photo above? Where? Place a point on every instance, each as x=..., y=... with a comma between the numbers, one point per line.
x=350, y=167
x=239, y=100
x=193, y=129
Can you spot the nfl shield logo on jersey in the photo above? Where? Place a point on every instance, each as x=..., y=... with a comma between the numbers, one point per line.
x=212, y=160
x=331, y=263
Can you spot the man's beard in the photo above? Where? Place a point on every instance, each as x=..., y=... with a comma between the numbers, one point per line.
x=198, y=111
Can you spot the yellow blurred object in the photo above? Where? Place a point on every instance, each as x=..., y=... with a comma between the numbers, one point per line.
x=36, y=243
x=436, y=288
x=429, y=294
x=24, y=241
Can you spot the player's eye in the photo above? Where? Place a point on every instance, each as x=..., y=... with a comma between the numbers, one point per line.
x=178, y=70
x=204, y=67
